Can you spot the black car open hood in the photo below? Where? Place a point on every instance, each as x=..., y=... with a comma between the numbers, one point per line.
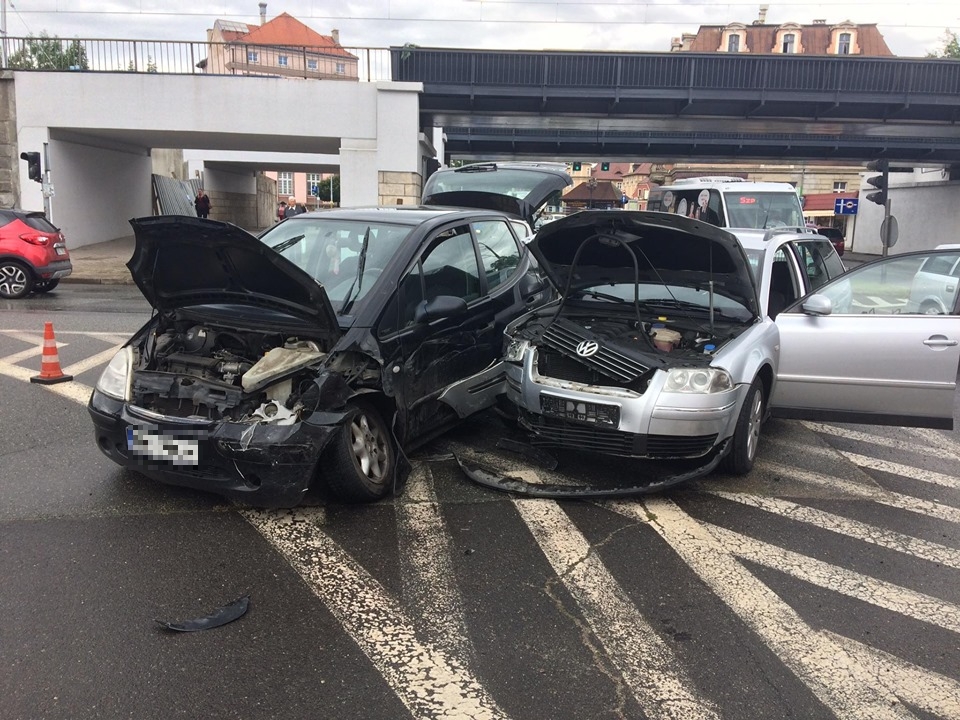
x=181, y=261
x=669, y=248
x=518, y=189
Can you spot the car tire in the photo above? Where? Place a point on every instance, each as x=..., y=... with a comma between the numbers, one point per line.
x=45, y=285
x=16, y=280
x=930, y=308
x=363, y=457
x=746, y=437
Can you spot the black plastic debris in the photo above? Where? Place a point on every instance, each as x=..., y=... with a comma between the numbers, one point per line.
x=227, y=614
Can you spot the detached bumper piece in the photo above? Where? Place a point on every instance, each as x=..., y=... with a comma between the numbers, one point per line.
x=673, y=473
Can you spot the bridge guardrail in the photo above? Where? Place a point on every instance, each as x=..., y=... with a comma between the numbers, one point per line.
x=52, y=54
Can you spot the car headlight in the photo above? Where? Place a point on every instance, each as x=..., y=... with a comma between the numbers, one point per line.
x=698, y=380
x=515, y=350
x=115, y=378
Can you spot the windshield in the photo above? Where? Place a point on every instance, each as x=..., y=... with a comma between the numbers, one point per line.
x=762, y=210
x=668, y=296
x=329, y=250
x=498, y=181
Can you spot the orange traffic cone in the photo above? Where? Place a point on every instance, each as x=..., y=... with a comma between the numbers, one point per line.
x=50, y=371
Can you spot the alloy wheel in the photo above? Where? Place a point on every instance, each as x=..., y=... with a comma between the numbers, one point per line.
x=13, y=280
x=369, y=446
x=753, y=429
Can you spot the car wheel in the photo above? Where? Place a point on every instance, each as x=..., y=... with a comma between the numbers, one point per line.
x=363, y=457
x=15, y=280
x=46, y=285
x=746, y=437
x=930, y=308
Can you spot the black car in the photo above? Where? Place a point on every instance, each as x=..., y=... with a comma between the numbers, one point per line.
x=323, y=347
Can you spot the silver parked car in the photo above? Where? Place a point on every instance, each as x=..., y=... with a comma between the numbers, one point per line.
x=934, y=287
x=663, y=346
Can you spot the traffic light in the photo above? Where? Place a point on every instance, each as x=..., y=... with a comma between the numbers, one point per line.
x=881, y=182
x=33, y=165
x=605, y=167
x=576, y=167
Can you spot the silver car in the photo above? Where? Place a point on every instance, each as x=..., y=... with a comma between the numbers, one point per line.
x=662, y=345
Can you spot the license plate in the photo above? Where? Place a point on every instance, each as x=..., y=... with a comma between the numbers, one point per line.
x=585, y=412
x=155, y=445
x=60, y=249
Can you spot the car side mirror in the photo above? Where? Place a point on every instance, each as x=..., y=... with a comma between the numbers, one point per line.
x=439, y=308
x=530, y=284
x=817, y=305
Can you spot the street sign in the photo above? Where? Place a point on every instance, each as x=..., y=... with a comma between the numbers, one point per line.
x=845, y=206
x=889, y=235
x=315, y=190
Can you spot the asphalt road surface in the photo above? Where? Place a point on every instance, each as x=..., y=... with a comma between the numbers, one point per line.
x=826, y=584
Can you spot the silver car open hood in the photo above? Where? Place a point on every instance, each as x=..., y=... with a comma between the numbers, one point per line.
x=669, y=248
x=183, y=262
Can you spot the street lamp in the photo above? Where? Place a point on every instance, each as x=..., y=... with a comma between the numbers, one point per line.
x=592, y=184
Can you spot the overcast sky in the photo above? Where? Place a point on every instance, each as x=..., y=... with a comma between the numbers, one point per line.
x=910, y=28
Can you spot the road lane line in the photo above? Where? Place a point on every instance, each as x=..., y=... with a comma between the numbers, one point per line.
x=889, y=539
x=429, y=583
x=832, y=674
x=22, y=355
x=928, y=690
x=886, y=595
x=942, y=449
x=907, y=471
x=909, y=503
x=72, y=390
x=937, y=440
x=648, y=665
x=91, y=362
x=430, y=683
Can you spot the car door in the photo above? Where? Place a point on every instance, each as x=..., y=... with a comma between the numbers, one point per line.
x=460, y=349
x=855, y=352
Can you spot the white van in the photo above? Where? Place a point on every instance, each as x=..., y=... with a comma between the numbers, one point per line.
x=731, y=202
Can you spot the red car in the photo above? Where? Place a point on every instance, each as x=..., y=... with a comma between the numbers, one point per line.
x=833, y=235
x=33, y=254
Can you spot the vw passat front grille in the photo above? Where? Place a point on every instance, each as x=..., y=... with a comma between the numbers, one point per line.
x=612, y=363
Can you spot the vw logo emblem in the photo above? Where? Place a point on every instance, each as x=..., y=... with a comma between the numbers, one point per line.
x=587, y=348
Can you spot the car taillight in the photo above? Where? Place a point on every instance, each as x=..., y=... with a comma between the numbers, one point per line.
x=37, y=238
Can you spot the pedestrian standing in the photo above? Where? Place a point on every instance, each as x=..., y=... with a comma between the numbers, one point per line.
x=202, y=204
x=293, y=207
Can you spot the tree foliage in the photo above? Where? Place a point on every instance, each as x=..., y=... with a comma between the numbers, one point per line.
x=951, y=47
x=43, y=52
x=323, y=189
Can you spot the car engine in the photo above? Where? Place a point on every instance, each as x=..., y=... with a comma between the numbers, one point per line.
x=201, y=371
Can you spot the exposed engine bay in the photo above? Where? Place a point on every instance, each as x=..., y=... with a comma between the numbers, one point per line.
x=189, y=370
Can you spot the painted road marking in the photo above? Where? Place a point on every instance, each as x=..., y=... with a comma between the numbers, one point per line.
x=647, y=663
x=429, y=682
x=928, y=508
x=822, y=664
x=927, y=476
x=91, y=362
x=426, y=566
x=889, y=539
x=934, y=441
x=889, y=596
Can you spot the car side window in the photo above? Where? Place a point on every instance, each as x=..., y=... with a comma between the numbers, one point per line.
x=894, y=286
x=450, y=266
x=499, y=252
x=812, y=260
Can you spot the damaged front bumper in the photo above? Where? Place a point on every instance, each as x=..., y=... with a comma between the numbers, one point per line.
x=637, y=482
x=261, y=464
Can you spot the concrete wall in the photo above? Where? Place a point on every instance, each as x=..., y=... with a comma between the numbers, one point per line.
x=233, y=196
x=102, y=126
x=928, y=214
x=266, y=201
x=9, y=153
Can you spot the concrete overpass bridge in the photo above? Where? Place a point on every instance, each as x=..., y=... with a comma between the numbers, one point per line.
x=101, y=125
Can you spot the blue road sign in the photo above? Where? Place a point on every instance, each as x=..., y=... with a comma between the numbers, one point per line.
x=845, y=206
x=314, y=190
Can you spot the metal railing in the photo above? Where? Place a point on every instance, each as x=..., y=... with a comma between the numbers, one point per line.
x=700, y=71
x=194, y=58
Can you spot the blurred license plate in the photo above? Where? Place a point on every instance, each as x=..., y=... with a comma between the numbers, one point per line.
x=152, y=444
x=60, y=249
x=587, y=412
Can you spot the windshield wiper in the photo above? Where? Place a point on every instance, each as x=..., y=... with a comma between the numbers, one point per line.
x=286, y=244
x=599, y=295
x=358, y=278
